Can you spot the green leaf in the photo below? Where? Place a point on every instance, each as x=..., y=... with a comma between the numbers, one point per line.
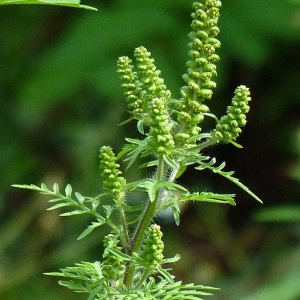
x=90, y=228
x=171, y=162
x=172, y=259
x=108, y=210
x=239, y=184
x=73, y=213
x=236, y=144
x=70, y=3
x=31, y=187
x=126, y=121
x=127, y=148
x=137, y=148
x=56, y=188
x=94, y=293
x=133, y=208
x=44, y=187
x=140, y=127
x=68, y=191
x=119, y=254
x=181, y=171
x=169, y=185
x=54, y=274
x=79, y=197
x=57, y=199
x=148, y=164
x=144, y=185
x=218, y=169
x=165, y=274
x=207, y=135
x=176, y=210
x=80, y=206
x=209, y=197
x=59, y=205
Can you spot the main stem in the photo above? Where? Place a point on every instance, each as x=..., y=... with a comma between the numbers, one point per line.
x=126, y=239
x=144, y=223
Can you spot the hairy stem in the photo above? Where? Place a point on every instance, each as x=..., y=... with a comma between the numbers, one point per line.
x=125, y=235
x=144, y=223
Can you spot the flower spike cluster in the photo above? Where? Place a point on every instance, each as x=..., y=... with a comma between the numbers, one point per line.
x=153, y=247
x=160, y=137
x=229, y=126
x=201, y=67
x=152, y=85
x=113, y=266
x=113, y=183
x=147, y=98
x=131, y=86
x=143, y=85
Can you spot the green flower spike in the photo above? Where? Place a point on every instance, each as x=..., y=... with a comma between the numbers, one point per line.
x=152, y=249
x=142, y=86
x=201, y=66
x=229, y=126
x=113, y=267
x=160, y=137
x=151, y=84
x=113, y=183
x=131, y=86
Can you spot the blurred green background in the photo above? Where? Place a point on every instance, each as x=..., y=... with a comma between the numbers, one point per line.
x=60, y=100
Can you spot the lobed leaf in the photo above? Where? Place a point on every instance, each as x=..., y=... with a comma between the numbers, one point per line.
x=73, y=213
x=119, y=254
x=56, y=188
x=59, y=205
x=218, y=169
x=172, y=259
x=209, y=197
x=134, y=149
x=165, y=274
x=90, y=228
x=80, y=198
x=171, y=162
x=68, y=191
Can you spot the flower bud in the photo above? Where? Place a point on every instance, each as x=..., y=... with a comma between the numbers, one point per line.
x=152, y=249
x=229, y=126
x=113, y=183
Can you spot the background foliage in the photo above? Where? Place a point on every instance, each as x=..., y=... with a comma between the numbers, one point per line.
x=60, y=101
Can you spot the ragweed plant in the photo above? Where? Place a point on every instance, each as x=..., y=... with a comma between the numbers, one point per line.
x=133, y=265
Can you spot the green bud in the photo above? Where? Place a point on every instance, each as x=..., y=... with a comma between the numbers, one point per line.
x=229, y=126
x=160, y=137
x=183, y=117
x=113, y=267
x=130, y=85
x=152, y=85
x=152, y=248
x=113, y=183
x=201, y=65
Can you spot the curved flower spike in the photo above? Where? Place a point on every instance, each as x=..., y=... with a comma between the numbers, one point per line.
x=130, y=85
x=201, y=69
x=151, y=84
x=229, y=126
x=202, y=55
x=142, y=86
